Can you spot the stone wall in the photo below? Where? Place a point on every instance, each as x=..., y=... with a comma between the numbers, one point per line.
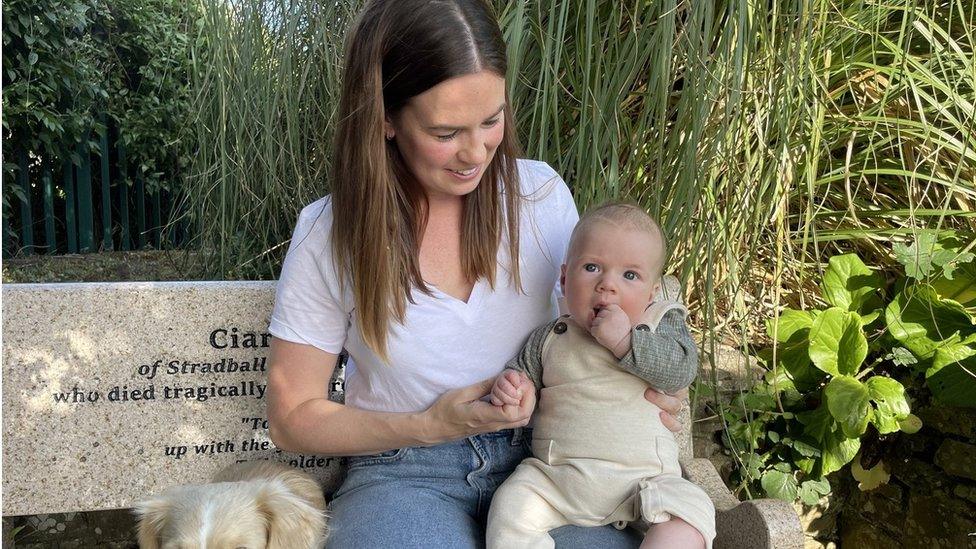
x=930, y=500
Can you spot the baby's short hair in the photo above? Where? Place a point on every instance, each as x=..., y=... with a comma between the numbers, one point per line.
x=626, y=214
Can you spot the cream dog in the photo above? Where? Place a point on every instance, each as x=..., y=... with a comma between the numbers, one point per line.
x=252, y=505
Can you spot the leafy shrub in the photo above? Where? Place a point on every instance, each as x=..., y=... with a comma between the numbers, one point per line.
x=51, y=73
x=837, y=376
x=67, y=61
x=148, y=44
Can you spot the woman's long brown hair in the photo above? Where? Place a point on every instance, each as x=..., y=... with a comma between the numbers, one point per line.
x=397, y=49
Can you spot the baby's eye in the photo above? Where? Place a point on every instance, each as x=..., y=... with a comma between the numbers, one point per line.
x=630, y=275
x=448, y=137
x=590, y=267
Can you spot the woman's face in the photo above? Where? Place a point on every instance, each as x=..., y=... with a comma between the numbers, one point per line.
x=448, y=134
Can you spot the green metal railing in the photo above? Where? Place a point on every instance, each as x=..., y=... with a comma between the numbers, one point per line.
x=89, y=208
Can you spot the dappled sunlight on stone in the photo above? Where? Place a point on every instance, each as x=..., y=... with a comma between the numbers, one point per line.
x=158, y=383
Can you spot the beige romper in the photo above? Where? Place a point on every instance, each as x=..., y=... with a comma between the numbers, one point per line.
x=601, y=454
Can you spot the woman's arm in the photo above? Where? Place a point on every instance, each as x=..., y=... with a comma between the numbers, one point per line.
x=303, y=419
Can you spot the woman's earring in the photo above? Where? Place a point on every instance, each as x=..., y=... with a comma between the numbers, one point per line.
x=389, y=137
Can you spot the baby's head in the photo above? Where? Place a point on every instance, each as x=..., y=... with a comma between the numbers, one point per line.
x=616, y=256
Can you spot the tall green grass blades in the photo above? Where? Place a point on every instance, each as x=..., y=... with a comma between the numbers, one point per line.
x=765, y=136
x=265, y=81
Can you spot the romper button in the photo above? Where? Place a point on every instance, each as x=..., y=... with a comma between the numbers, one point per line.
x=559, y=328
x=642, y=327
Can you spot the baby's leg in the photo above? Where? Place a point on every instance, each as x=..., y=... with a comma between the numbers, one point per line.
x=673, y=533
x=691, y=512
x=521, y=513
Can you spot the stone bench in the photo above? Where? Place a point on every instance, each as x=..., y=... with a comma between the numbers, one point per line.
x=115, y=391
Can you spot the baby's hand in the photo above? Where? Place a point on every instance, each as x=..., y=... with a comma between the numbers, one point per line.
x=507, y=389
x=611, y=328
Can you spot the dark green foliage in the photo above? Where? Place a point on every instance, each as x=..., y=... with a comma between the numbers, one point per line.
x=52, y=75
x=68, y=61
x=840, y=377
x=148, y=48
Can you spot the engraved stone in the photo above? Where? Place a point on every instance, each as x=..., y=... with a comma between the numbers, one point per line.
x=113, y=392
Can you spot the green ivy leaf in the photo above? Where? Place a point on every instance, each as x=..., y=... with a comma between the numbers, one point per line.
x=870, y=317
x=952, y=377
x=924, y=255
x=811, y=491
x=961, y=287
x=805, y=464
x=758, y=401
x=746, y=434
x=837, y=343
x=818, y=423
x=838, y=452
x=922, y=321
x=752, y=465
x=891, y=406
x=805, y=449
x=792, y=332
x=791, y=321
x=848, y=283
x=780, y=485
x=902, y=357
x=849, y=403
x=778, y=381
x=951, y=352
x=821, y=486
x=910, y=425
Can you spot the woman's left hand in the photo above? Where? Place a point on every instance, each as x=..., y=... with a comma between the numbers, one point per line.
x=462, y=412
x=670, y=406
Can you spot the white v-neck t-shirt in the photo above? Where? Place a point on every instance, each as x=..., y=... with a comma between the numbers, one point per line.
x=443, y=343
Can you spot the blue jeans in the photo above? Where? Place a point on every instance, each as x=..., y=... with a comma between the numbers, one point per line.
x=438, y=497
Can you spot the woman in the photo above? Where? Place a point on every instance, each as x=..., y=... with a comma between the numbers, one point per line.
x=435, y=256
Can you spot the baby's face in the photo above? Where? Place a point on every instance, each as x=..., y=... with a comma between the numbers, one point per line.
x=610, y=264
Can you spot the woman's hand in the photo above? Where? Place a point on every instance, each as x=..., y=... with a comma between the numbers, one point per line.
x=670, y=405
x=461, y=413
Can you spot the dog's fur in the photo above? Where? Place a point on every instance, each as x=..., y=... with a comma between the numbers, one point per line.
x=253, y=505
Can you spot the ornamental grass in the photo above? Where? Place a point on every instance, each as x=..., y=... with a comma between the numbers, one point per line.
x=767, y=136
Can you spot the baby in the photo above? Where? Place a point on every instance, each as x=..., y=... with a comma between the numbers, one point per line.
x=600, y=452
